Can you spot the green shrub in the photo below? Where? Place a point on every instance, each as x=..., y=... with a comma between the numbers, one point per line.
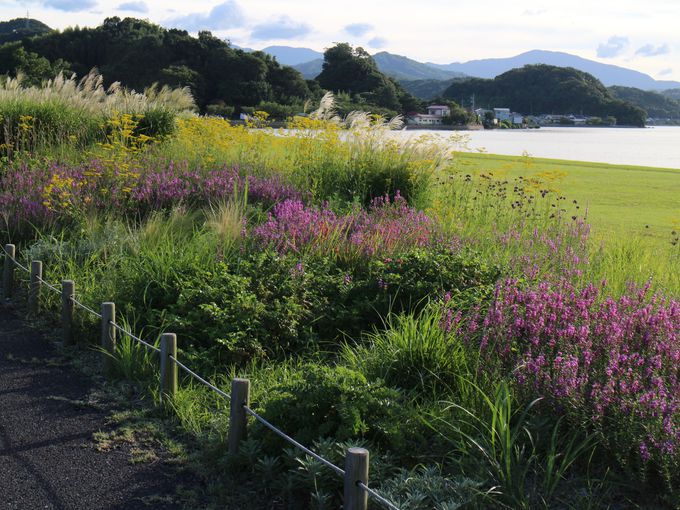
x=278, y=111
x=319, y=401
x=220, y=109
x=157, y=123
x=266, y=304
x=413, y=352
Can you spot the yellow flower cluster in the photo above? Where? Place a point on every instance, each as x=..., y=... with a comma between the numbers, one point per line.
x=58, y=192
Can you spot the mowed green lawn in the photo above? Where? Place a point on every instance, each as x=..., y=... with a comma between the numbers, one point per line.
x=621, y=200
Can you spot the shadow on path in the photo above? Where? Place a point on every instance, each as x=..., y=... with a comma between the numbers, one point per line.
x=48, y=458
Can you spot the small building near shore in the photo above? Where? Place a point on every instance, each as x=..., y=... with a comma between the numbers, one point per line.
x=439, y=110
x=503, y=114
x=434, y=117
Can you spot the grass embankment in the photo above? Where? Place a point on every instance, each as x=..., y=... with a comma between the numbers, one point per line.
x=373, y=293
x=633, y=212
x=621, y=200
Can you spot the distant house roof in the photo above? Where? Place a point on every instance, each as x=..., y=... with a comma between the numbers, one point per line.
x=438, y=106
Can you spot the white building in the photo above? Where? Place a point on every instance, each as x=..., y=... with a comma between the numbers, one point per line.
x=503, y=114
x=439, y=110
x=434, y=117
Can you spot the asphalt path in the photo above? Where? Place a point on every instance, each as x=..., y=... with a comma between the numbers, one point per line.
x=48, y=457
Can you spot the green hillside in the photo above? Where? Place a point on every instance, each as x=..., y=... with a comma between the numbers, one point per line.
x=404, y=68
x=537, y=89
x=426, y=89
x=138, y=53
x=656, y=105
x=17, y=29
x=672, y=93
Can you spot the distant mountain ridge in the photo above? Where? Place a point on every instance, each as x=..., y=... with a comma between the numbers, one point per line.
x=404, y=69
x=397, y=66
x=544, y=89
x=291, y=56
x=608, y=74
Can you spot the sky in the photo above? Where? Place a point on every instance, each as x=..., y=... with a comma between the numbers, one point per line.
x=633, y=34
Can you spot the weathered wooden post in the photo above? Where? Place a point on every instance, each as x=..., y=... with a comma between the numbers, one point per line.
x=108, y=343
x=68, y=291
x=8, y=271
x=238, y=419
x=356, y=470
x=34, y=289
x=168, y=366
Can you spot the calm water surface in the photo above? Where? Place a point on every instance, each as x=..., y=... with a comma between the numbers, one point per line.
x=657, y=146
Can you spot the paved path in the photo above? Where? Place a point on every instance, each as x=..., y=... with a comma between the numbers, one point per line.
x=48, y=458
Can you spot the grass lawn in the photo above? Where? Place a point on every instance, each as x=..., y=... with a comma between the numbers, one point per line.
x=621, y=200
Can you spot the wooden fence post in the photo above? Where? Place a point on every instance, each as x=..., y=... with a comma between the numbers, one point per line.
x=168, y=366
x=356, y=470
x=8, y=271
x=108, y=343
x=34, y=289
x=68, y=290
x=238, y=419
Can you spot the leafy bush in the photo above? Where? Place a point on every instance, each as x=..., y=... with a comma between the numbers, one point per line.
x=271, y=304
x=413, y=352
x=324, y=401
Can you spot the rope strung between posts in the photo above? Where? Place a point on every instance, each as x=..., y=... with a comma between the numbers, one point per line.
x=85, y=307
x=49, y=285
x=377, y=496
x=16, y=262
x=292, y=441
x=371, y=492
x=128, y=333
x=199, y=378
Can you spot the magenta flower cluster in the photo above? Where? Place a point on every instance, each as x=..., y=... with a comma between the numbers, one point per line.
x=387, y=226
x=560, y=248
x=37, y=195
x=618, y=360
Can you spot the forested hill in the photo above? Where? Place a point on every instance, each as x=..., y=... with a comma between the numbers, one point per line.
x=17, y=29
x=138, y=53
x=223, y=79
x=537, y=89
x=656, y=105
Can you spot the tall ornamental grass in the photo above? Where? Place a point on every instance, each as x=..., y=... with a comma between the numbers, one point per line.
x=69, y=112
x=351, y=159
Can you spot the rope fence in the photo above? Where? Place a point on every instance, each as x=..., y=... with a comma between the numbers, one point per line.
x=292, y=441
x=355, y=473
x=200, y=379
x=134, y=337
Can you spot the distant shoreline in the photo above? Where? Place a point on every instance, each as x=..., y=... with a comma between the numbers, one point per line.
x=463, y=127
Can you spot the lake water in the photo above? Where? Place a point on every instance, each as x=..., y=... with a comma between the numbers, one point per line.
x=654, y=146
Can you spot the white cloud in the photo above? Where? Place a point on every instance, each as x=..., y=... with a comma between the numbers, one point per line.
x=614, y=47
x=221, y=17
x=281, y=28
x=649, y=50
x=70, y=5
x=358, y=29
x=134, y=7
x=377, y=42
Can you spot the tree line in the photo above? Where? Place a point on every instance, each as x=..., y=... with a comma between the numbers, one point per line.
x=545, y=89
x=222, y=78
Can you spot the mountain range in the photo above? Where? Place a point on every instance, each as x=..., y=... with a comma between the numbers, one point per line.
x=404, y=68
x=608, y=74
